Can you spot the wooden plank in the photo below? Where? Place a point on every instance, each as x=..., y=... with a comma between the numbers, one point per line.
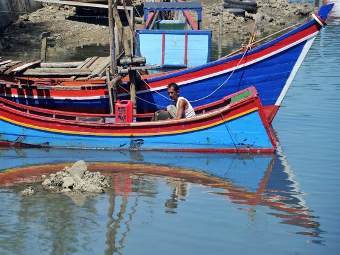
x=96, y=63
x=10, y=69
x=5, y=67
x=82, y=64
x=60, y=64
x=5, y=62
x=89, y=64
x=23, y=67
x=57, y=72
x=75, y=3
x=104, y=62
x=43, y=50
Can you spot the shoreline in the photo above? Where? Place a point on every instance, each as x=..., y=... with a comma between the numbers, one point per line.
x=21, y=40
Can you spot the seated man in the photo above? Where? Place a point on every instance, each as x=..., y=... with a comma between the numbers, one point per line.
x=181, y=108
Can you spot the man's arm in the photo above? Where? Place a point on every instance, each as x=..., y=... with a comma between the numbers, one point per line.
x=181, y=109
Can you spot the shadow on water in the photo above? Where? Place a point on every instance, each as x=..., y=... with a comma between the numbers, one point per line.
x=247, y=182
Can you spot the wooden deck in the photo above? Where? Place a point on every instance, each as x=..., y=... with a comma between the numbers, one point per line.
x=85, y=3
x=90, y=67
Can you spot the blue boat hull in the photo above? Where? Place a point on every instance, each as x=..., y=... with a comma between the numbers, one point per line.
x=246, y=132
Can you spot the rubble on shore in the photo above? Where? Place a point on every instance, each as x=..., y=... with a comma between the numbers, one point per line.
x=66, y=33
x=29, y=191
x=76, y=179
x=271, y=16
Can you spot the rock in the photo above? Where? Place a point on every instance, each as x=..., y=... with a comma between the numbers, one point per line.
x=93, y=188
x=77, y=198
x=302, y=12
x=21, y=24
x=46, y=182
x=68, y=182
x=78, y=169
x=28, y=191
x=25, y=17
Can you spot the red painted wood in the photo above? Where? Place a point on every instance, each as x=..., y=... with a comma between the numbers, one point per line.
x=270, y=112
x=163, y=48
x=186, y=49
x=151, y=14
x=193, y=24
x=39, y=118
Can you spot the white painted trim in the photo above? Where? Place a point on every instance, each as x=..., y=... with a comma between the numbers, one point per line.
x=294, y=71
x=291, y=177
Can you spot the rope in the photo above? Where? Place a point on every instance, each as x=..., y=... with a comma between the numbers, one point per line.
x=262, y=39
x=139, y=15
x=160, y=94
x=225, y=81
x=248, y=47
x=144, y=100
x=213, y=92
x=231, y=137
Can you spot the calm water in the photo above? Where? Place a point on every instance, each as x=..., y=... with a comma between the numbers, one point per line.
x=285, y=204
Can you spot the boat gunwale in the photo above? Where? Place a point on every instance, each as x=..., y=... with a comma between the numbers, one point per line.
x=204, y=116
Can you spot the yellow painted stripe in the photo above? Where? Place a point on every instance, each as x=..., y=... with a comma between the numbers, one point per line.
x=134, y=134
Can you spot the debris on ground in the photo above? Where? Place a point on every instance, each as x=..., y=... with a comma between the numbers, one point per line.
x=67, y=33
x=28, y=191
x=76, y=179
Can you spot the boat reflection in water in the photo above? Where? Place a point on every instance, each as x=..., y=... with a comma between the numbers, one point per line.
x=249, y=182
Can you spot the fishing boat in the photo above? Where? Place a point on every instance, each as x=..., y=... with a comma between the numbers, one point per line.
x=270, y=67
x=172, y=37
x=236, y=126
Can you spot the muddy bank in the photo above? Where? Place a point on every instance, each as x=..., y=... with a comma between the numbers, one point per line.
x=24, y=35
x=271, y=16
x=21, y=40
x=11, y=9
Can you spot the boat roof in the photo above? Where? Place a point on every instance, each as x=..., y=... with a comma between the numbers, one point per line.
x=170, y=6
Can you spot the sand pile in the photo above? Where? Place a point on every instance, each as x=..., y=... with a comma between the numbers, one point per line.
x=76, y=179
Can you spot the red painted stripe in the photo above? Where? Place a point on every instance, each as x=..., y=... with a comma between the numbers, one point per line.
x=163, y=48
x=267, y=125
x=150, y=17
x=186, y=49
x=270, y=111
x=185, y=125
x=193, y=24
x=51, y=93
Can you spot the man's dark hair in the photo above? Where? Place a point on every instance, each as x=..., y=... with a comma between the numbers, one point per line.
x=173, y=85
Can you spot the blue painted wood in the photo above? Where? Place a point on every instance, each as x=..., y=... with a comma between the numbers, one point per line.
x=269, y=78
x=167, y=6
x=150, y=46
x=174, y=50
x=243, y=132
x=199, y=49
